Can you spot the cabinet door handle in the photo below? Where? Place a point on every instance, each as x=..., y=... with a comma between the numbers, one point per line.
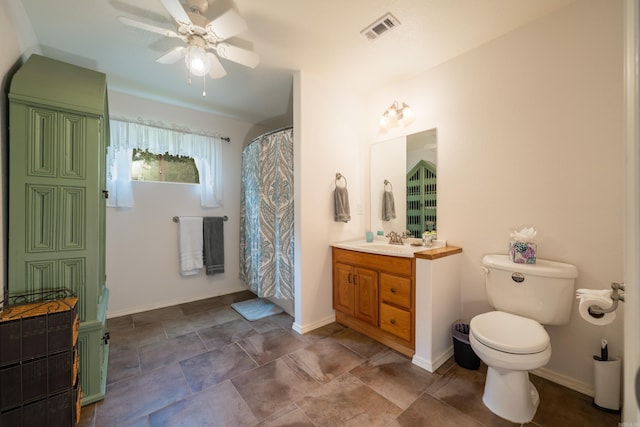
x=393, y=321
x=393, y=290
x=349, y=279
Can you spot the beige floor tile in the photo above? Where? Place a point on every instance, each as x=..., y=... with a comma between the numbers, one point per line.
x=217, y=406
x=267, y=347
x=138, y=396
x=272, y=387
x=427, y=411
x=346, y=401
x=169, y=351
x=290, y=416
x=215, y=366
x=326, y=360
x=226, y=333
x=393, y=376
x=364, y=346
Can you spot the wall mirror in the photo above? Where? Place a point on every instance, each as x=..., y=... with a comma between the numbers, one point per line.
x=409, y=165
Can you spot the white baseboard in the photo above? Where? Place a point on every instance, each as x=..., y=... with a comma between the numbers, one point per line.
x=303, y=329
x=432, y=366
x=142, y=308
x=564, y=380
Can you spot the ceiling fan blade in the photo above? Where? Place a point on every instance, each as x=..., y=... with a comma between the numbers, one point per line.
x=226, y=25
x=172, y=56
x=174, y=7
x=148, y=27
x=237, y=54
x=217, y=70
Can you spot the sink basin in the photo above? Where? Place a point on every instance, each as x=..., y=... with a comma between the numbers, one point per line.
x=383, y=248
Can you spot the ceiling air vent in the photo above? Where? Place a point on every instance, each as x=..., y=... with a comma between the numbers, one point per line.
x=380, y=27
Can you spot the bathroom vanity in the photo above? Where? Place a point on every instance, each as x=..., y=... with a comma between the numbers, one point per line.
x=374, y=293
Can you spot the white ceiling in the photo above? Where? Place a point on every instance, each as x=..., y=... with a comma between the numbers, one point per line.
x=319, y=36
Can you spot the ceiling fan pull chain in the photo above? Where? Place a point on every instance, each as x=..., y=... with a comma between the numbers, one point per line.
x=204, y=85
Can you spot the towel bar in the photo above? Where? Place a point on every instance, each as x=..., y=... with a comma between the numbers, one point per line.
x=177, y=218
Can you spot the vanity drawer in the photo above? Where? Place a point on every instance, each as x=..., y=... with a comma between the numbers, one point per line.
x=395, y=321
x=395, y=290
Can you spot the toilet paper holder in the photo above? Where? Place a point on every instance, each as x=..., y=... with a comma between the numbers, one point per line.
x=597, y=311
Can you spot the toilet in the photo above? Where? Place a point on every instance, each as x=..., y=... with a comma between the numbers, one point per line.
x=512, y=340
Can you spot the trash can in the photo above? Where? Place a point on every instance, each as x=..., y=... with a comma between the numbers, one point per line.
x=462, y=351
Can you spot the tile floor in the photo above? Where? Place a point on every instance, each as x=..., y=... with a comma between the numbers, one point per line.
x=201, y=364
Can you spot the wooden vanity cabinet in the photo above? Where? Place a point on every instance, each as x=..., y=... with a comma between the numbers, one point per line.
x=356, y=292
x=374, y=295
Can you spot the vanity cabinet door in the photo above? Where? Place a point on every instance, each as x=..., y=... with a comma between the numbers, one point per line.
x=366, y=303
x=355, y=292
x=343, y=289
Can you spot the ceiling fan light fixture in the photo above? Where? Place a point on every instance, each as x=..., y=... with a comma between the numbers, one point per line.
x=197, y=61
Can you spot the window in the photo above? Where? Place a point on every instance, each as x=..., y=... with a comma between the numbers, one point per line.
x=165, y=167
x=205, y=151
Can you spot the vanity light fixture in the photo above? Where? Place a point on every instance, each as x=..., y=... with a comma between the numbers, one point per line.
x=397, y=116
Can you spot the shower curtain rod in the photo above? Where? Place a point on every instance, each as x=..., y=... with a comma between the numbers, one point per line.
x=271, y=133
x=177, y=218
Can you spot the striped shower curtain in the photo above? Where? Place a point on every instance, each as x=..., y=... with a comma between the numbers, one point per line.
x=266, y=215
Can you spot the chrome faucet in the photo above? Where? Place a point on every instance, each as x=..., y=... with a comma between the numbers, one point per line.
x=396, y=239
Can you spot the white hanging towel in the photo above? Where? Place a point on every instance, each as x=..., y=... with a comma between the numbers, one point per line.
x=190, y=241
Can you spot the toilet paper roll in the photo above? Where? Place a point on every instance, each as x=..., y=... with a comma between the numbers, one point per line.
x=587, y=302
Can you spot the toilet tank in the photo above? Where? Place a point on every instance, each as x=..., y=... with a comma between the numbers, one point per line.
x=543, y=291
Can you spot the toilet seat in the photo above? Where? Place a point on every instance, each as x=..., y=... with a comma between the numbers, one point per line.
x=509, y=333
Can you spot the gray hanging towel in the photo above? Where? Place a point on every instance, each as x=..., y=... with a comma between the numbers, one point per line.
x=213, y=244
x=341, y=199
x=388, y=206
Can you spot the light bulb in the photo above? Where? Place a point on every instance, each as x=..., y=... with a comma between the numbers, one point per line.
x=197, y=61
x=383, y=121
x=407, y=114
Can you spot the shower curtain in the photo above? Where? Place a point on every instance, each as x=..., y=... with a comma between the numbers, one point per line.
x=266, y=215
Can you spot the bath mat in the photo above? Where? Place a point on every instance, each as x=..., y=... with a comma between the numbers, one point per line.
x=257, y=308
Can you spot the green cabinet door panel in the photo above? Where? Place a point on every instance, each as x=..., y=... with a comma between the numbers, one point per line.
x=57, y=147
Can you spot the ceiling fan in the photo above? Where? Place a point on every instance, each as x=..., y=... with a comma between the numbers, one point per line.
x=201, y=38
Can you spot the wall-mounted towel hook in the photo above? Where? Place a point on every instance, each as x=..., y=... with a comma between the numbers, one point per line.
x=339, y=176
x=386, y=182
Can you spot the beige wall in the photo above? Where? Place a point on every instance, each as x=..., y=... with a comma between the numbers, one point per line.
x=329, y=138
x=142, y=242
x=530, y=132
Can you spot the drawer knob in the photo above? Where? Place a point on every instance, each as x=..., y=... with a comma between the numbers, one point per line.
x=393, y=290
x=393, y=321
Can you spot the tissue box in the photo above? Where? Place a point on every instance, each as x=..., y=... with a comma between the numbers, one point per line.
x=522, y=253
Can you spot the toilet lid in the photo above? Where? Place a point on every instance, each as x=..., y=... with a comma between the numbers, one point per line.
x=509, y=333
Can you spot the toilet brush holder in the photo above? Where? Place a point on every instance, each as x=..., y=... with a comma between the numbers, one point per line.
x=606, y=376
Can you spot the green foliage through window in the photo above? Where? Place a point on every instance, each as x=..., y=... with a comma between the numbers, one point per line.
x=163, y=167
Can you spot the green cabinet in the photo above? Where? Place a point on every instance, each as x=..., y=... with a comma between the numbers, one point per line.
x=58, y=133
x=421, y=198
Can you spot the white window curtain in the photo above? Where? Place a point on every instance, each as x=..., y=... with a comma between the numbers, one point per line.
x=125, y=136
